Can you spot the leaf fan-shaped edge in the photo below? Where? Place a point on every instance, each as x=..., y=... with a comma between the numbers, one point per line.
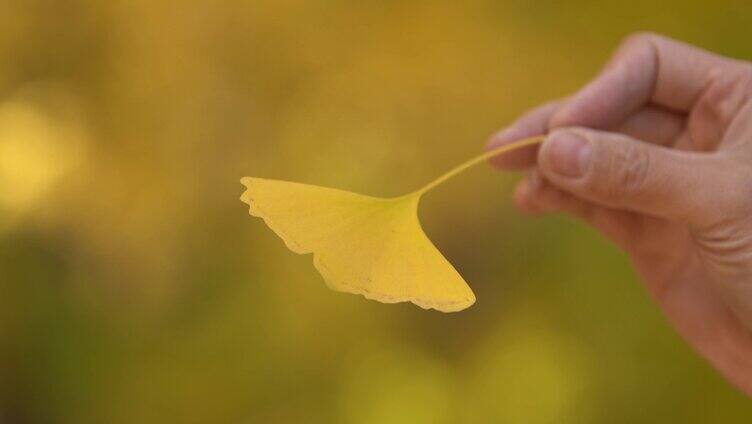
x=321, y=267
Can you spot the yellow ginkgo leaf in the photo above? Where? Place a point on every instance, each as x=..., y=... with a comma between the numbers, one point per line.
x=366, y=245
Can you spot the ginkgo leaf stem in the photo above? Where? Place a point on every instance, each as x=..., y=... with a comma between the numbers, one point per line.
x=372, y=246
x=478, y=159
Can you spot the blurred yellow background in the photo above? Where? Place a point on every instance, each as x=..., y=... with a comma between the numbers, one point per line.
x=135, y=288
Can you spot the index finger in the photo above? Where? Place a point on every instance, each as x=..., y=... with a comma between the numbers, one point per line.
x=530, y=124
x=647, y=68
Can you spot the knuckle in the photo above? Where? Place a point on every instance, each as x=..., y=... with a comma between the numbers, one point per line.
x=640, y=39
x=630, y=168
x=728, y=92
x=636, y=52
x=727, y=88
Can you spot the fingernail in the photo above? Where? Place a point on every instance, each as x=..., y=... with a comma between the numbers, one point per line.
x=569, y=154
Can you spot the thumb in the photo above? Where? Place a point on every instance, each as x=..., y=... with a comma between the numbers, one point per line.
x=621, y=172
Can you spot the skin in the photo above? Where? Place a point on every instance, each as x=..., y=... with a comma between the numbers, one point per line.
x=656, y=154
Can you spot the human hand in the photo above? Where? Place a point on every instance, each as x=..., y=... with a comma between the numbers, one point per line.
x=656, y=153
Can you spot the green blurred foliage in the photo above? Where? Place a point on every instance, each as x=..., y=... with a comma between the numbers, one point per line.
x=135, y=288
